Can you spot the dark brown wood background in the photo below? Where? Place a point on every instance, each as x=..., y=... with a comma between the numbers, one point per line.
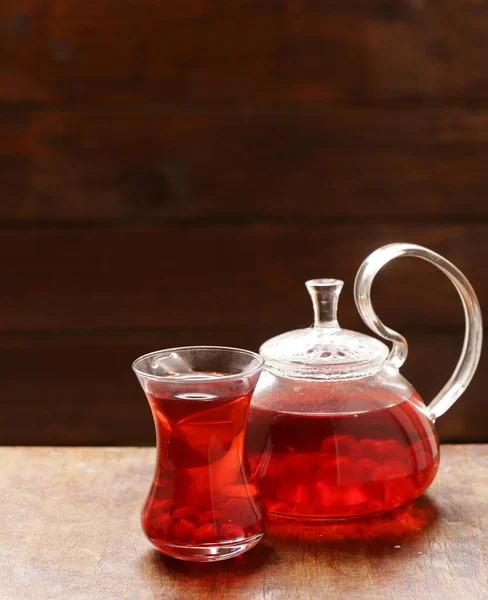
x=171, y=172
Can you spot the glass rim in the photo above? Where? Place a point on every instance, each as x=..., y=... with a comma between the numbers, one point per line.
x=177, y=379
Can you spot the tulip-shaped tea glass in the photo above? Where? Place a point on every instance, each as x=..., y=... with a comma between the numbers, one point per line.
x=201, y=505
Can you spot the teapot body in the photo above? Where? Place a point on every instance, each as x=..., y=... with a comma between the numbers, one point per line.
x=335, y=431
x=335, y=449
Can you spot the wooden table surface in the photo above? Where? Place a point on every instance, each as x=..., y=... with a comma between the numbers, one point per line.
x=70, y=530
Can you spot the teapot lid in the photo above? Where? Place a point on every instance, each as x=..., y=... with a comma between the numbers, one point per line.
x=324, y=351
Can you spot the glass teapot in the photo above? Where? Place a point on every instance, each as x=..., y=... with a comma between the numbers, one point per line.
x=335, y=431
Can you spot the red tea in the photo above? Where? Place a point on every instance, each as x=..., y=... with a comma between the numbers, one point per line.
x=201, y=493
x=316, y=466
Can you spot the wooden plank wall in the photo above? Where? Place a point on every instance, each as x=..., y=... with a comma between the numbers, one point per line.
x=172, y=172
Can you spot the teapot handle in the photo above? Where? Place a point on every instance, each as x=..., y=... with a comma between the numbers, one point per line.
x=470, y=354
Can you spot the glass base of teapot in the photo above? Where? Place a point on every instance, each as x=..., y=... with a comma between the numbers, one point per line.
x=307, y=519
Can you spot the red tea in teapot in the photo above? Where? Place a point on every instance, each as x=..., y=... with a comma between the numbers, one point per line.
x=312, y=465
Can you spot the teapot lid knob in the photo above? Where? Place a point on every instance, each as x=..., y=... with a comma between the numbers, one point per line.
x=325, y=298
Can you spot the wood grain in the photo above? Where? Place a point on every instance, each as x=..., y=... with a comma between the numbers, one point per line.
x=71, y=529
x=325, y=163
x=244, y=52
x=172, y=172
x=250, y=276
x=80, y=389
